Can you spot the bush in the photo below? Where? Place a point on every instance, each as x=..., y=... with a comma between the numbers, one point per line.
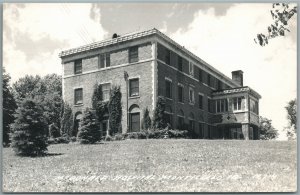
x=118, y=137
x=29, y=137
x=52, y=141
x=115, y=110
x=54, y=131
x=178, y=133
x=159, y=121
x=89, y=132
x=62, y=140
x=66, y=123
x=146, y=123
x=73, y=139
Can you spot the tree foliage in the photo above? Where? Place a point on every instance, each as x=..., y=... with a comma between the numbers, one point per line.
x=46, y=90
x=89, y=131
x=159, y=121
x=281, y=14
x=9, y=107
x=267, y=131
x=66, y=123
x=29, y=130
x=291, y=109
x=146, y=123
x=115, y=110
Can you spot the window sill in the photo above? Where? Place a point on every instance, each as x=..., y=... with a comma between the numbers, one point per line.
x=191, y=103
x=201, y=109
x=181, y=103
x=134, y=97
x=169, y=99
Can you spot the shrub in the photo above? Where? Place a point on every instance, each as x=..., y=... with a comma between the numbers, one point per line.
x=115, y=110
x=159, y=121
x=146, y=123
x=73, y=139
x=178, y=133
x=62, y=140
x=54, y=131
x=52, y=141
x=118, y=137
x=89, y=132
x=29, y=137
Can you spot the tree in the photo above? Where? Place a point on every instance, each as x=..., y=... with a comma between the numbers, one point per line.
x=146, y=124
x=115, y=110
x=291, y=109
x=9, y=107
x=46, y=90
x=281, y=14
x=159, y=121
x=267, y=131
x=66, y=123
x=29, y=130
x=89, y=131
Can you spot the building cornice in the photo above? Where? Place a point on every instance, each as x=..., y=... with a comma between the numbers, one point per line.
x=237, y=90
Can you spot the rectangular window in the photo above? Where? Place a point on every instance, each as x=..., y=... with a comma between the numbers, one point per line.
x=168, y=89
x=191, y=68
x=180, y=63
x=104, y=60
x=180, y=123
x=221, y=105
x=133, y=54
x=237, y=103
x=253, y=106
x=78, y=66
x=208, y=79
x=219, y=84
x=135, y=122
x=191, y=96
x=200, y=101
x=78, y=96
x=180, y=94
x=210, y=105
x=200, y=75
x=105, y=91
x=168, y=57
x=133, y=87
x=201, y=130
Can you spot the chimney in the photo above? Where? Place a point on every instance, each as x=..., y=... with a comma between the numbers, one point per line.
x=237, y=77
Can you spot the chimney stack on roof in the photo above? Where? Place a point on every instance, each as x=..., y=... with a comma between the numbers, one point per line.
x=237, y=77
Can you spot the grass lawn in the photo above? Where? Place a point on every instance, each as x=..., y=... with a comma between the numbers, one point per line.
x=156, y=166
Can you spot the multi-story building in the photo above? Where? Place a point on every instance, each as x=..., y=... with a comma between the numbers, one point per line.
x=199, y=98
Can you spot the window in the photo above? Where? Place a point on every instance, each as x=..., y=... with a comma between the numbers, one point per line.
x=201, y=130
x=104, y=60
x=168, y=89
x=180, y=63
x=191, y=95
x=105, y=90
x=200, y=75
x=78, y=96
x=253, y=106
x=78, y=66
x=219, y=84
x=180, y=94
x=237, y=103
x=200, y=101
x=191, y=122
x=135, y=122
x=191, y=69
x=180, y=120
x=133, y=87
x=208, y=79
x=221, y=105
x=133, y=54
x=168, y=57
x=210, y=105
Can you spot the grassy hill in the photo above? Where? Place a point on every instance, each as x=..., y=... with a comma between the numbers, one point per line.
x=156, y=166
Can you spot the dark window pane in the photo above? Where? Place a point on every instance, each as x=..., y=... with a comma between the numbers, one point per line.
x=133, y=54
x=180, y=93
x=168, y=89
x=78, y=66
x=134, y=87
x=200, y=101
x=135, y=122
x=200, y=75
x=102, y=60
x=78, y=96
x=107, y=55
x=179, y=63
x=167, y=57
x=208, y=79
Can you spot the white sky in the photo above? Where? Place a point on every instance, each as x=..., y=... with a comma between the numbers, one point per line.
x=220, y=34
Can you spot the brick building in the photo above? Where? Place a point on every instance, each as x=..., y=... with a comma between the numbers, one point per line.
x=198, y=97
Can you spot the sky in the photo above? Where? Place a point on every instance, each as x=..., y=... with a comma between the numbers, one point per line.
x=222, y=34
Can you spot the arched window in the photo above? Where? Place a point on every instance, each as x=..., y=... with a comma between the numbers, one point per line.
x=77, y=119
x=180, y=117
x=134, y=118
